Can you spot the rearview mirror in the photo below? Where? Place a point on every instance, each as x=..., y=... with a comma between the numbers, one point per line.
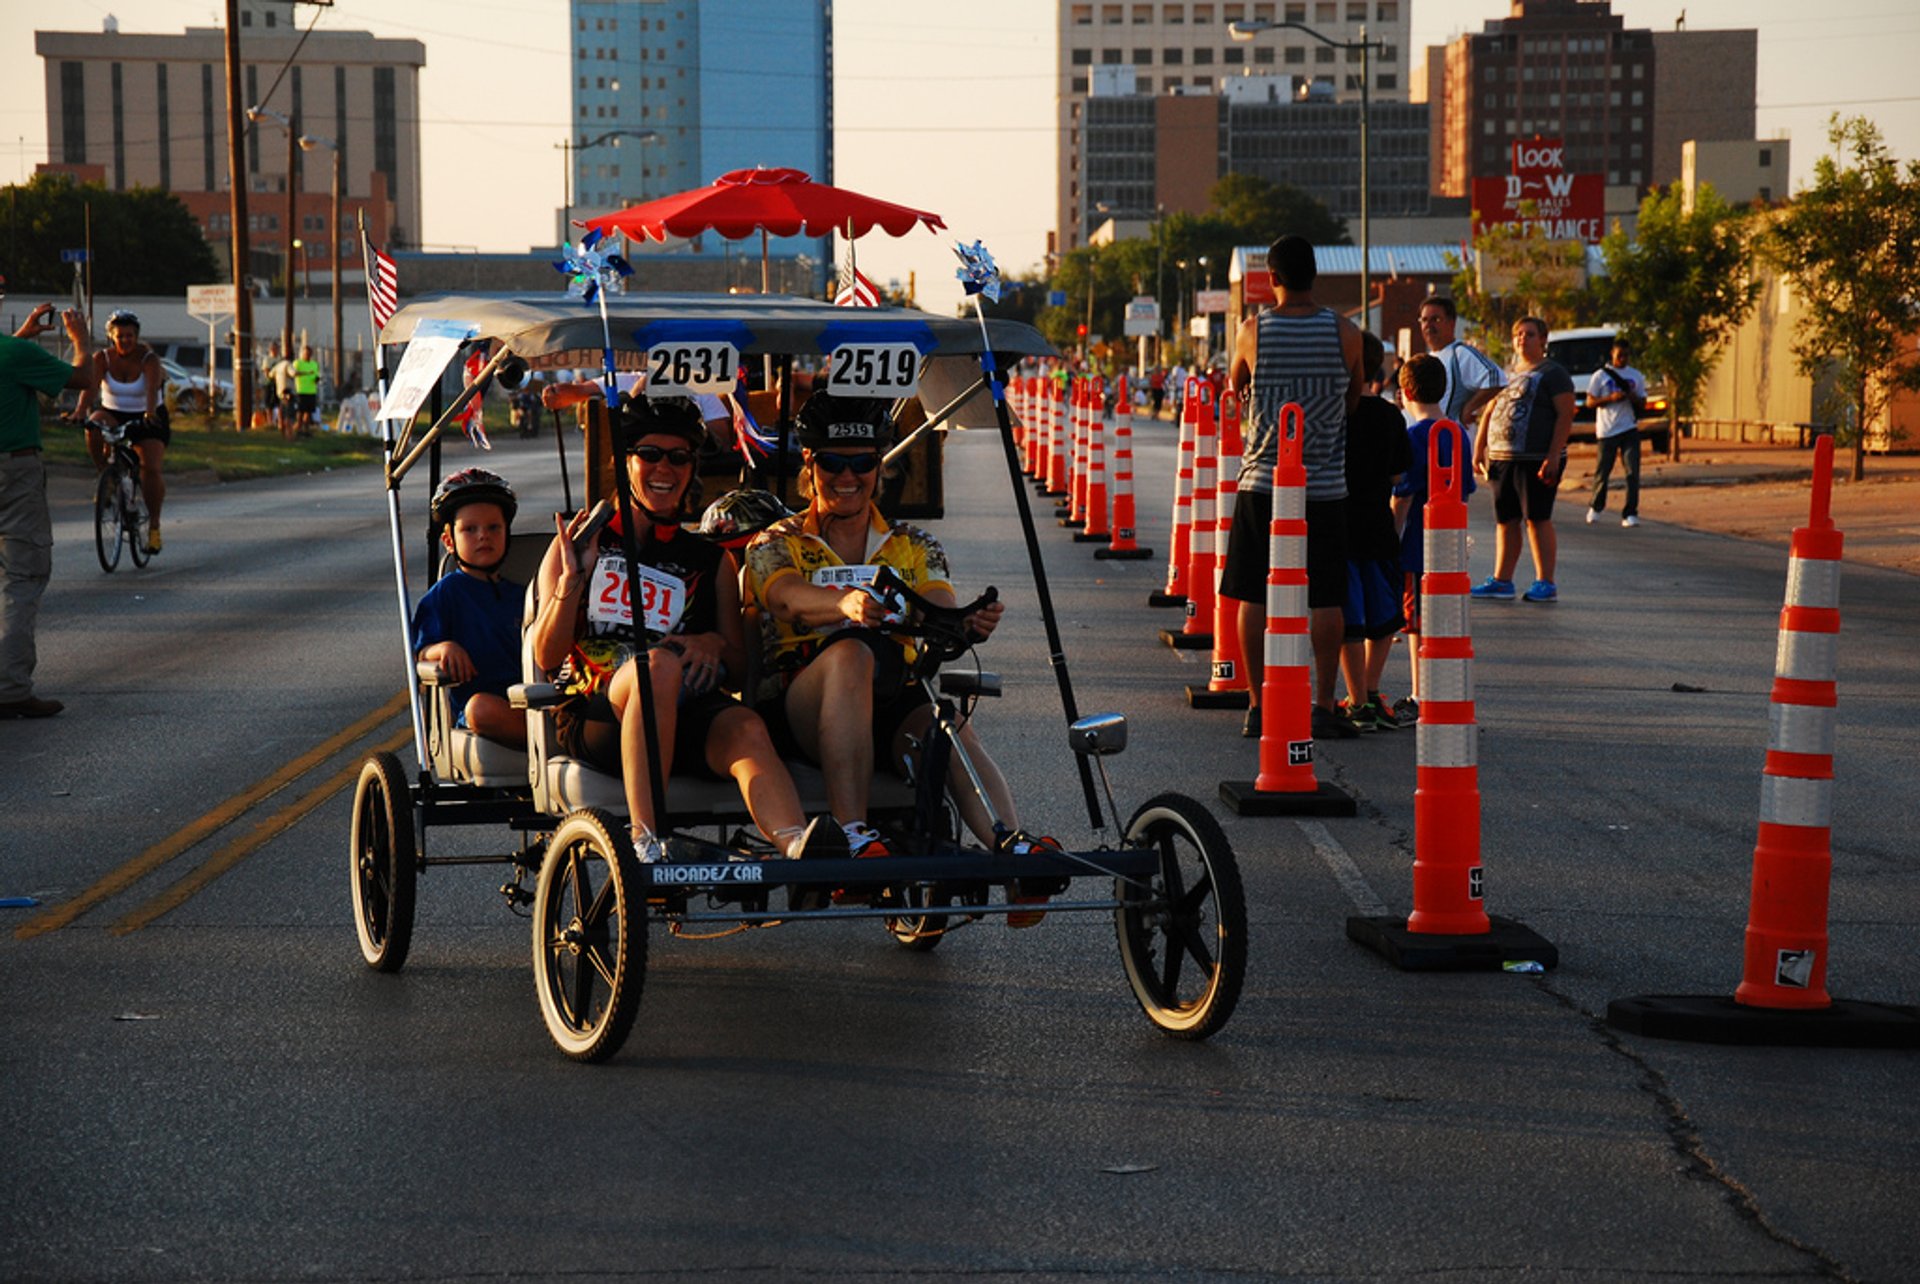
x=1098, y=733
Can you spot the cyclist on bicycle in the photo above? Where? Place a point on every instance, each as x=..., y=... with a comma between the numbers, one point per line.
x=127, y=382
x=689, y=595
x=839, y=684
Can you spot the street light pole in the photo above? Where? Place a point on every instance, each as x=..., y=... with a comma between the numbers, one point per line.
x=285, y=122
x=1246, y=31
x=308, y=143
x=568, y=148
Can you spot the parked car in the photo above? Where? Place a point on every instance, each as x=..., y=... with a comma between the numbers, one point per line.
x=1583, y=351
x=187, y=389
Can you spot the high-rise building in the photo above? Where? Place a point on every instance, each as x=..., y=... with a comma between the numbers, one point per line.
x=135, y=109
x=1162, y=55
x=671, y=94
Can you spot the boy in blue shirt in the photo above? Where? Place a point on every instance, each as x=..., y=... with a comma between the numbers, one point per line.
x=1423, y=384
x=469, y=622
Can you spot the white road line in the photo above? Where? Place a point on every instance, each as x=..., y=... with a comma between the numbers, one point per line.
x=1345, y=872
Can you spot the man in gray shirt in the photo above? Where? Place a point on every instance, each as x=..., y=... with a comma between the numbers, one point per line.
x=1522, y=451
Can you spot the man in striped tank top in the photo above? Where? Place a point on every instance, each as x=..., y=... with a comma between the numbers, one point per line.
x=1296, y=351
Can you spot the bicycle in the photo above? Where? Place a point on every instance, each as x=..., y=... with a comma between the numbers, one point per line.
x=119, y=507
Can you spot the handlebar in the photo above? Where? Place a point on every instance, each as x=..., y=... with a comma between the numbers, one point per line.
x=941, y=629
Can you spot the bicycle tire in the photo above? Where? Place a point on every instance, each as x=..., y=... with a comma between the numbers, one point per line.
x=107, y=526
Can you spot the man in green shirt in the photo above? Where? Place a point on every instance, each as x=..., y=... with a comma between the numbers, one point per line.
x=26, y=524
x=306, y=388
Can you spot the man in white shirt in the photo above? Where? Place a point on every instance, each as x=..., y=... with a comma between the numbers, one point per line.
x=1617, y=391
x=1472, y=377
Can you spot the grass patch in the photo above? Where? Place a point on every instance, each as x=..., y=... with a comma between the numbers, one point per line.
x=199, y=445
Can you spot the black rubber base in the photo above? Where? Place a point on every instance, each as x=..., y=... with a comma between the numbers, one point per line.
x=1071, y=523
x=1327, y=800
x=1123, y=555
x=1204, y=698
x=1158, y=598
x=1507, y=942
x=1089, y=537
x=1187, y=641
x=1716, y=1018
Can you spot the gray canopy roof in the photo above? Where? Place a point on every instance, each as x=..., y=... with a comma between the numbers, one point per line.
x=547, y=325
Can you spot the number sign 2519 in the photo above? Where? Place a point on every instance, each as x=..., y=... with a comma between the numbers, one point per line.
x=675, y=369
x=874, y=370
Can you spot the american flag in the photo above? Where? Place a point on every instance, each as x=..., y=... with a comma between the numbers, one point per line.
x=856, y=291
x=383, y=289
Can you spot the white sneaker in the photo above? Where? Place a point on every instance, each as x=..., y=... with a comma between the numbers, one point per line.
x=647, y=846
x=1629, y=521
x=1593, y=515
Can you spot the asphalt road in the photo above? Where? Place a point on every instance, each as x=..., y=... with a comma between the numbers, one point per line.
x=205, y=1082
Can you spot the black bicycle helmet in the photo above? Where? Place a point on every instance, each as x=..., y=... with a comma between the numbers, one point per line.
x=122, y=317
x=472, y=486
x=674, y=416
x=827, y=421
x=737, y=516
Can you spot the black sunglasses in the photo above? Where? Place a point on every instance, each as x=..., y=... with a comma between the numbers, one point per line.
x=678, y=456
x=836, y=464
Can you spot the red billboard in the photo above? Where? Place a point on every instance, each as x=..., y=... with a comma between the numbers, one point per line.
x=1564, y=207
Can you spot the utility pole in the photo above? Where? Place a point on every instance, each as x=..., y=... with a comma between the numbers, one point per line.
x=237, y=213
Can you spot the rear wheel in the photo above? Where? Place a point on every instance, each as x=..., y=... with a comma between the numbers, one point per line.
x=1183, y=935
x=589, y=936
x=107, y=528
x=384, y=864
x=919, y=932
x=191, y=401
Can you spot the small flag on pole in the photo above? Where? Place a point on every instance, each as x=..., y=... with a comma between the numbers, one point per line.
x=856, y=291
x=383, y=290
x=473, y=419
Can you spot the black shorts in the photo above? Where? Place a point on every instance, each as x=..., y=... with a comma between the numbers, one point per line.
x=1518, y=491
x=154, y=427
x=1244, y=577
x=588, y=729
x=308, y=402
x=894, y=698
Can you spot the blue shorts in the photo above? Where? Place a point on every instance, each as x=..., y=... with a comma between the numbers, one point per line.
x=1372, y=608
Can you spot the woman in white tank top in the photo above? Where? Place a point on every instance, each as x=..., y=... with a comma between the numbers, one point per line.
x=126, y=389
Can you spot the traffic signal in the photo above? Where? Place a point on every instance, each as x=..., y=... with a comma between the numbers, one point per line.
x=1081, y=330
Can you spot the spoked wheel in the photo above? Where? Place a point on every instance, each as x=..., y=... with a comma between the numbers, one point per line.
x=107, y=528
x=382, y=856
x=589, y=936
x=919, y=932
x=134, y=516
x=1183, y=939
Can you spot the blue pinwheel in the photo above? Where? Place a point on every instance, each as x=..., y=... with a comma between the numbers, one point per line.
x=592, y=266
x=977, y=272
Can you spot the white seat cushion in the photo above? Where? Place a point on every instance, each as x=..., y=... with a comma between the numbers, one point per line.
x=473, y=759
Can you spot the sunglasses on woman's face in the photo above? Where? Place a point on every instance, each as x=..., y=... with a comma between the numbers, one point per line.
x=678, y=456
x=836, y=464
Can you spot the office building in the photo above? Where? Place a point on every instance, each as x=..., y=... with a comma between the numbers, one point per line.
x=1173, y=61
x=134, y=109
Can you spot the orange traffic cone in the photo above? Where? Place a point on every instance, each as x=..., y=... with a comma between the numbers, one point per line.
x=1782, y=996
x=1227, y=687
x=1056, y=438
x=1286, y=785
x=1181, y=537
x=1203, y=575
x=1449, y=929
x=1124, y=545
x=1095, y=513
x=1073, y=513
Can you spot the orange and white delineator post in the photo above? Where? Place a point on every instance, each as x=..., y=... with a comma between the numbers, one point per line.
x=1181, y=535
x=1124, y=546
x=1078, y=458
x=1095, y=529
x=1286, y=785
x=1785, y=965
x=1449, y=929
x=1203, y=576
x=1021, y=392
x=1782, y=998
x=1056, y=463
x=1227, y=686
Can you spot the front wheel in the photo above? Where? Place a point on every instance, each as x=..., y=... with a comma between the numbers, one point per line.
x=382, y=855
x=1183, y=934
x=589, y=936
x=138, y=522
x=108, y=530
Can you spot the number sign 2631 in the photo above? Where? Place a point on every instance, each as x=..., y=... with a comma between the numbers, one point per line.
x=874, y=370
x=675, y=369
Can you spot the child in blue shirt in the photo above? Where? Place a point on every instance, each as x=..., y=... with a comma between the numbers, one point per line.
x=1423, y=385
x=469, y=622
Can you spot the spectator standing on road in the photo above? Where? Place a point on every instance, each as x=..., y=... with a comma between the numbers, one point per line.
x=1295, y=351
x=1522, y=452
x=1378, y=456
x=286, y=394
x=1472, y=376
x=269, y=385
x=1157, y=389
x=306, y=390
x=1423, y=382
x=1617, y=392
x=26, y=523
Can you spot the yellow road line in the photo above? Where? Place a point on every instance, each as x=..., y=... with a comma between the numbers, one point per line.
x=220, y=817
x=244, y=846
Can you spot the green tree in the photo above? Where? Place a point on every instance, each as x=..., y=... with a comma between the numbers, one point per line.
x=144, y=240
x=1679, y=288
x=1520, y=273
x=1847, y=242
x=1255, y=211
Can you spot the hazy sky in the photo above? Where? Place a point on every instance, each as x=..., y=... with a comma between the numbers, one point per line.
x=941, y=105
